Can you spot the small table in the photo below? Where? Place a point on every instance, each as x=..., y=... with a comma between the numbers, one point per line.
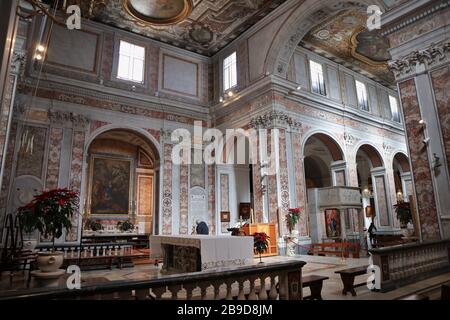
x=315, y=284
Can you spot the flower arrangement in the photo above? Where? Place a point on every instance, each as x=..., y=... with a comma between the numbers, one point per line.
x=50, y=213
x=93, y=225
x=260, y=243
x=125, y=225
x=292, y=218
x=403, y=210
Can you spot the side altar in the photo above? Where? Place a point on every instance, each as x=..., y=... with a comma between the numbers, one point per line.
x=191, y=253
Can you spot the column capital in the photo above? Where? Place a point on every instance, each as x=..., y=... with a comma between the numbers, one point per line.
x=420, y=60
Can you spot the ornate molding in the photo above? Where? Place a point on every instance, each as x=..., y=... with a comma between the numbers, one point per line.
x=275, y=119
x=63, y=118
x=349, y=139
x=434, y=55
x=18, y=63
x=387, y=148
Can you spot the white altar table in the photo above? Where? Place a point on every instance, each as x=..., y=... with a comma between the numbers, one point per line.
x=190, y=253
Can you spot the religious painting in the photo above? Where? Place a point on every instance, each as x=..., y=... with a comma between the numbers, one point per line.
x=110, y=181
x=332, y=223
x=370, y=47
x=161, y=12
x=245, y=210
x=224, y=216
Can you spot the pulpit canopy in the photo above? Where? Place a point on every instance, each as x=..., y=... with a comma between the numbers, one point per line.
x=340, y=198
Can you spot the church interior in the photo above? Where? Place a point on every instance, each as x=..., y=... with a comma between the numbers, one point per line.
x=225, y=150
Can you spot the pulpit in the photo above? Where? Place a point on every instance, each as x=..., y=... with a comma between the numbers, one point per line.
x=268, y=228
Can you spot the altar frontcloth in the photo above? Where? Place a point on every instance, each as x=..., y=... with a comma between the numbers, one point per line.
x=215, y=251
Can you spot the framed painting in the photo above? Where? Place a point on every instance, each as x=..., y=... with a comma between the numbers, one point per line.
x=110, y=182
x=333, y=223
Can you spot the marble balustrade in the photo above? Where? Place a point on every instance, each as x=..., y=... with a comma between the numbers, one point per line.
x=404, y=264
x=281, y=281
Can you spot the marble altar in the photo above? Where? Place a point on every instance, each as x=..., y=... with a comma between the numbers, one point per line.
x=190, y=253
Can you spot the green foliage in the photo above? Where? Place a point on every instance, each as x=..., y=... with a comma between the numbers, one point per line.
x=403, y=211
x=50, y=213
x=125, y=225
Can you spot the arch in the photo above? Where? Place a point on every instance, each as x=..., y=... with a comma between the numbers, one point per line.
x=402, y=159
x=148, y=150
x=372, y=153
x=138, y=131
x=304, y=17
x=330, y=143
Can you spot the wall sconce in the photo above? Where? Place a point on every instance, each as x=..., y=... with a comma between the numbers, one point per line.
x=422, y=122
x=426, y=141
x=39, y=52
x=399, y=196
x=366, y=193
x=437, y=161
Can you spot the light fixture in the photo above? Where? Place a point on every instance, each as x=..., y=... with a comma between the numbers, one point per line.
x=40, y=48
x=366, y=193
x=221, y=99
x=299, y=88
x=38, y=57
x=230, y=94
x=426, y=141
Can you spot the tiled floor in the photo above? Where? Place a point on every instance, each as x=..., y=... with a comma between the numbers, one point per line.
x=326, y=266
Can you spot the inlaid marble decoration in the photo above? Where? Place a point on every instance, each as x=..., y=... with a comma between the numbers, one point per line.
x=420, y=163
x=272, y=181
x=54, y=157
x=184, y=198
x=383, y=211
x=257, y=192
x=224, y=199
x=167, y=191
x=5, y=109
x=284, y=180
x=340, y=178
x=300, y=184
x=441, y=81
x=7, y=174
x=96, y=124
x=75, y=176
x=145, y=200
x=30, y=158
x=212, y=199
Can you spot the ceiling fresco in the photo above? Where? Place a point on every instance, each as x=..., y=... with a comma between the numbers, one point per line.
x=202, y=26
x=345, y=40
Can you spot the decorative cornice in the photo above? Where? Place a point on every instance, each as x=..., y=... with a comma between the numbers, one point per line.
x=404, y=23
x=434, y=55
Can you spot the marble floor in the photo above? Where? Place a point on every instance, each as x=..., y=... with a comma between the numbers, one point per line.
x=325, y=266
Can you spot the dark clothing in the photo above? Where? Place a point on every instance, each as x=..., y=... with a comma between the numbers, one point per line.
x=202, y=228
x=372, y=232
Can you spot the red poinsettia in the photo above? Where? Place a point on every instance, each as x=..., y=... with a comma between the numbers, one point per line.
x=292, y=218
x=50, y=212
x=260, y=242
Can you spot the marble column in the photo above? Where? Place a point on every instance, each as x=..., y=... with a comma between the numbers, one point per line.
x=8, y=27
x=166, y=214
x=420, y=48
x=274, y=128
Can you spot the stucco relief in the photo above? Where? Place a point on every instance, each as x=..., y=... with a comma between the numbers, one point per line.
x=54, y=156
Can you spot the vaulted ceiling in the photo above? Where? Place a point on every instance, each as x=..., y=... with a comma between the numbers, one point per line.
x=345, y=39
x=205, y=28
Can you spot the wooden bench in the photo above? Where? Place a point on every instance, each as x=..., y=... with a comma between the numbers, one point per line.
x=445, y=291
x=416, y=297
x=315, y=284
x=340, y=249
x=348, y=278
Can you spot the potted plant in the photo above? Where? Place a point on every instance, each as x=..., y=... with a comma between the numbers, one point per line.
x=260, y=243
x=50, y=213
x=94, y=225
x=125, y=226
x=292, y=218
x=403, y=210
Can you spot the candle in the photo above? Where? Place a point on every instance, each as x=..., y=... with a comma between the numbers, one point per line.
x=252, y=216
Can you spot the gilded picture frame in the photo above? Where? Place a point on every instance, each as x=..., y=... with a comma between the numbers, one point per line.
x=110, y=187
